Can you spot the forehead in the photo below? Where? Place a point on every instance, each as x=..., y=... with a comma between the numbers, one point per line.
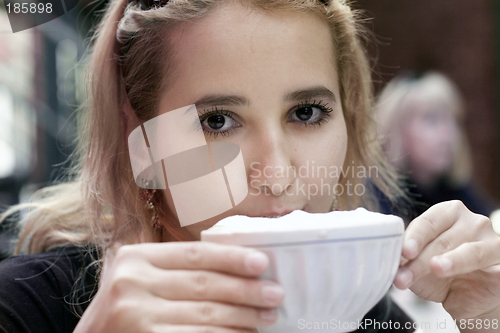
x=236, y=46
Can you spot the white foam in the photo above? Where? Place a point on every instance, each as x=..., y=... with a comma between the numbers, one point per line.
x=298, y=220
x=303, y=226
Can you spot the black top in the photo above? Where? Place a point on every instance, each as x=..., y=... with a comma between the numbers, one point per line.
x=444, y=190
x=420, y=198
x=36, y=294
x=36, y=290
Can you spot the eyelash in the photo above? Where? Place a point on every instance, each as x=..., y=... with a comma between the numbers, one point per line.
x=323, y=107
x=214, y=111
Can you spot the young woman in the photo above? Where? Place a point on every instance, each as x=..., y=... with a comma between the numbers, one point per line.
x=285, y=80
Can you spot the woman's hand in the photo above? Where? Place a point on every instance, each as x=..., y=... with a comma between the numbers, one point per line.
x=183, y=287
x=453, y=257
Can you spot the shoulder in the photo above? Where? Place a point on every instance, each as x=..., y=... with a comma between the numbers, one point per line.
x=38, y=290
x=61, y=256
x=53, y=269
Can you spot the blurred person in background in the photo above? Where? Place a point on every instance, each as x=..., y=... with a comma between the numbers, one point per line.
x=420, y=121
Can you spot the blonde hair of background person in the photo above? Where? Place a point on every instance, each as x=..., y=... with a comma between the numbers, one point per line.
x=401, y=99
x=101, y=204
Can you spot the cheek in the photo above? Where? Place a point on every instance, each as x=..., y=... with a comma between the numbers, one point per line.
x=336, y=144
x=416, y=139
x=422, y=147
x=325, y=154
x=339, y=144
x=328, y=154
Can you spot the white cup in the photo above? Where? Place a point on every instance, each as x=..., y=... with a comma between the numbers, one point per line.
x=334, y=266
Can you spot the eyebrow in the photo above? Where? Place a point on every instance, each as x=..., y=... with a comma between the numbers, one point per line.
x=315, y=92
x=218, y=99
x=235, y=100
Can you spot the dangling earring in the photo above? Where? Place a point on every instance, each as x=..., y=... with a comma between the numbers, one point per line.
x=147, y=196
x=335, y=204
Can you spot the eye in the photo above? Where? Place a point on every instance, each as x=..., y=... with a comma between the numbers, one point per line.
x=218, y=122
x=310, y=113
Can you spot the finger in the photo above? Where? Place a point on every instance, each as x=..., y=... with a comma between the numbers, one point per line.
x=477, y=227
x=428, y=226
x=434, y=257
x=412, y=270
x=212, y=314
x=214, y=286
x=231, y=259
x=403, y=278
x=467, y=258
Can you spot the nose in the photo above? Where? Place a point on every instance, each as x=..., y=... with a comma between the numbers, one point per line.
x=271, y=167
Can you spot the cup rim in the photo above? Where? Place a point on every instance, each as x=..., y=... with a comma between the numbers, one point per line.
x=332, y=226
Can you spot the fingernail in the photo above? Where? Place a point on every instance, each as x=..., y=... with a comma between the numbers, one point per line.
x=445, y=264
x=272, y=294
x=406, y=277
x=268, y=315
x=411, y=247
x=256, y=262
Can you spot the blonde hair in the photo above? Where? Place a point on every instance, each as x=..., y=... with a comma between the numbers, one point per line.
x=99, y=203
x=397, y=104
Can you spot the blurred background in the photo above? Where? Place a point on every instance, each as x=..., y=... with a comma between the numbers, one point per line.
x=41, y=81
x=460, y=39
x=41, y=87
